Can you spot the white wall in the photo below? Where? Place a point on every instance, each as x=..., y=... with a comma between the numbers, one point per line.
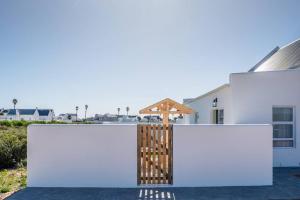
x=254, y=94
x=204, y=107
x=82, y=155
x=106, y=155
x=222, y=155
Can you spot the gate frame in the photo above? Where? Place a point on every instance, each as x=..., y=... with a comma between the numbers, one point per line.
x=163, y=152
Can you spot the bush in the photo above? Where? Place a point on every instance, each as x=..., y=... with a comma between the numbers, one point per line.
x=6, y=123
x=4, y=189
x=12, y=149
x=20, y=123
x=12, y=180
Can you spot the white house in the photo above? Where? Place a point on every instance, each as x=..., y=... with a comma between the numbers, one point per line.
x=269, y=93
x=46, y=114
x=67, y=117
x=28, y=114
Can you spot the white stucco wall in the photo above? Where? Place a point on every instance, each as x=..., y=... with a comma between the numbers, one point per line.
x=106, y=155
x=82, y=156
x=204, y=107
x=254, y=94
x=249, y=100
x=222, y=155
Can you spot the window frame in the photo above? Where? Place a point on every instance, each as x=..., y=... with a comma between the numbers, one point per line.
x=217, y=119
x=285, y=122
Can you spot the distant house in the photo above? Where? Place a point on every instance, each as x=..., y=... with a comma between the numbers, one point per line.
x=269, y=93
x=11, y=114
x=28, y=114
x=46, y=114
x=67, y=117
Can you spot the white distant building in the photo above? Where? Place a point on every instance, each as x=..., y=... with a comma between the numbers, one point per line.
x=108, y=118
x=67, y=117
x=28, y=114
x=46, y=114
x=269, y=93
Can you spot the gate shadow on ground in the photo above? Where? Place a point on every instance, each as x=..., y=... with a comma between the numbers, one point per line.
x=155, y=194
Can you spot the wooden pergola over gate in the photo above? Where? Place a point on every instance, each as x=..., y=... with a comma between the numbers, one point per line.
x=155, y=144
x=166, y=107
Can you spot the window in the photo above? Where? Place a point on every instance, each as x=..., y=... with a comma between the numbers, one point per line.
x=283, y=127
x=218, y=116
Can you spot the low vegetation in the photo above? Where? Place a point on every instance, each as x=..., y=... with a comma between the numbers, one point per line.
x=13, y=145
x=12, y=180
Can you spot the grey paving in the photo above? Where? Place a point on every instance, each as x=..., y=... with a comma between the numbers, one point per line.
x=286, y=186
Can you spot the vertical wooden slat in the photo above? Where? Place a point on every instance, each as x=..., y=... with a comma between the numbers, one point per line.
x=167, y=154
x=152, y=177
x=144, y=153
x=149, y=155
x=139, y=154
x=155, y=128
x=159, y=153
x=152, y=161
x=172, y=143
x=170, y=153
x=164, y=154
x=154, y=154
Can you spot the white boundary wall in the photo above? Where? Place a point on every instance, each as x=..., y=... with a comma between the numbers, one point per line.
x=82, y=156
x=222, y=155
x=106, y=155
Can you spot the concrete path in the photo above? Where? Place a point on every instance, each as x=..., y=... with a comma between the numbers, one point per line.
x=286, y=186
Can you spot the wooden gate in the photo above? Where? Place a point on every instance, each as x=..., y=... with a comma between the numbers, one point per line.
x=154, y=154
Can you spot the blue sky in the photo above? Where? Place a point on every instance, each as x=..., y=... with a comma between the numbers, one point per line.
x=107, y=54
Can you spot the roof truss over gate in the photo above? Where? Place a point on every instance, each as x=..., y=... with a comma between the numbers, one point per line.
x=166, y=107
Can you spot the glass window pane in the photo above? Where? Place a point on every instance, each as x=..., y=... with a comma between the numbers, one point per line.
x=221, y=116
x=283, y=114
x=283, y=143
x=283, y=131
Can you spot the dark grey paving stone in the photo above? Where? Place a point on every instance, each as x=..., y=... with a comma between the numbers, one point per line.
x=286, y=187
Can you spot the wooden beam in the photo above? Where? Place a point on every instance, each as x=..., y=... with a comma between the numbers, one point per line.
x=167, y=104
x=166, y=107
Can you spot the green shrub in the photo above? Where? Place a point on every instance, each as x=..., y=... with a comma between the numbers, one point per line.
x=23, y=181
x=20, y=123
x=4, y=189
x=6, y=123
x=12, y=179
x=12, y=149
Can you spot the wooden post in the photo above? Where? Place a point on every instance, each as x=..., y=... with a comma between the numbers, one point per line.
x=166, y=118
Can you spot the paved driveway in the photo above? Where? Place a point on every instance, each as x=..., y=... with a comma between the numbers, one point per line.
x=286, y=186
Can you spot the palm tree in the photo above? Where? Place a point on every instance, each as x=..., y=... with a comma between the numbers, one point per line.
x=86, y=107
x=15, y=101
x=118, y=109
x=76, y=112
x=127, y=110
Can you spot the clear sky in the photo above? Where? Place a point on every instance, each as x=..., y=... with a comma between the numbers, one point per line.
x=107, y=54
